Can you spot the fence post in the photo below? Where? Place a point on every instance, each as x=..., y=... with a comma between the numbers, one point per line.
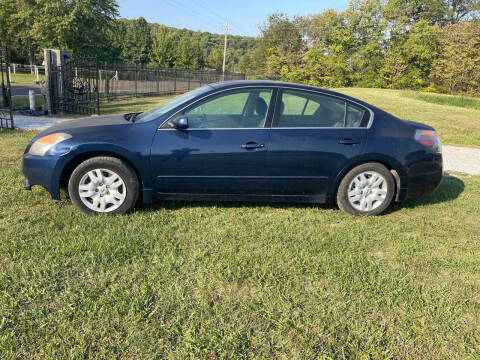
x=98, y=90
x=14, y=69
x=188, y=79
x=175, y=81
x=158, y=81
x=49, y=81
x=9, y=90
x=107, y=85
x=136, y=70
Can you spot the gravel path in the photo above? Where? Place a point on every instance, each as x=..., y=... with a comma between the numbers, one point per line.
x=22, y=90
x=461, y=159
x=455, y=158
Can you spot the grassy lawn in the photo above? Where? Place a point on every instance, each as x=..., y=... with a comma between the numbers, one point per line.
x=444, y=99
x=211, y=280
x=25, y=79
x=23, y=102
x=456, y=125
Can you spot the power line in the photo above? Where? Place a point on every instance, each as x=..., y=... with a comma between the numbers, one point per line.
x=195, y=16
x=209, y=18
x=217, y=15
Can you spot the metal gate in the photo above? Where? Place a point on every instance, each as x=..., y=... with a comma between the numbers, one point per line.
x=6, y=105
x=74, y=86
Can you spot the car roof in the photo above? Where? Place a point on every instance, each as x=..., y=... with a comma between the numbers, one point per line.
x=282, y=84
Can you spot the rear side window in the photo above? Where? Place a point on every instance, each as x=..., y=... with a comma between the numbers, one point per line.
x=300, y=109
x=356, y=116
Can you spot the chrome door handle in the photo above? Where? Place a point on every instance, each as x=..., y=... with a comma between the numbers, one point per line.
x=252, y=145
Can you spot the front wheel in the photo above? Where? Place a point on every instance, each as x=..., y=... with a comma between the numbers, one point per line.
x=366, y=190
x=103, y=185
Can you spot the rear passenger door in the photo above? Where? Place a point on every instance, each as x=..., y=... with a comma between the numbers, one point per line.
x=313, y=137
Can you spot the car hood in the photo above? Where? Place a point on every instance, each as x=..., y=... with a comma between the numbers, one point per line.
x=87, y=125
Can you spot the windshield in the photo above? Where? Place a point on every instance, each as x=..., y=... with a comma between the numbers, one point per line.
x=158, y=111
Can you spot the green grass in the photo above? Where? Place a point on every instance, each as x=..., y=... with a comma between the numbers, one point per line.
x=210, y=280
x=23, y=102
x=455, y=125
x=25, y=79
x=442, y=99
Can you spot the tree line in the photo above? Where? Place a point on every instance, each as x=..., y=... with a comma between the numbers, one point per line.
x=432, y=45
x=93, y=27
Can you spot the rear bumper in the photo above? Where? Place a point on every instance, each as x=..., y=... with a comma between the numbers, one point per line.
x=424, y=178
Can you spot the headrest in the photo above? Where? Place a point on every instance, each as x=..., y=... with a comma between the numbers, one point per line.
x=261, y=107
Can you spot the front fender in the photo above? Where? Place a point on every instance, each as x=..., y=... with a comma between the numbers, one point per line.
x=139, y=160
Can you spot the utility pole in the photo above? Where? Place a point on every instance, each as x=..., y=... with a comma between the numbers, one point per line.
x=226, y=27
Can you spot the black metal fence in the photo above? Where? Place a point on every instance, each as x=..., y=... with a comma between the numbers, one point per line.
x=123, y=81
x=82, y=84
x=73, y=87
x=6, y=105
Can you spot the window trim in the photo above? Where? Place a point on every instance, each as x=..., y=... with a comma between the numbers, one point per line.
x=278, y=106
x=272, y=109
x=268, y=117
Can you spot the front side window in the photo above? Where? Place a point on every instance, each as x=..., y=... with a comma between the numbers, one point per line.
x=237, y=109
x=300, y=109
x=158, y=111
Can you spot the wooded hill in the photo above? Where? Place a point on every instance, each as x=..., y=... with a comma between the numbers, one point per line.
x=432, y=45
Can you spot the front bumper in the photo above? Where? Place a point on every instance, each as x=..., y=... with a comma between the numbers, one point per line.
x=44, y=171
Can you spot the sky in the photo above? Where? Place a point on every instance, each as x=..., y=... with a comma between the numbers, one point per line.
x=208, y=15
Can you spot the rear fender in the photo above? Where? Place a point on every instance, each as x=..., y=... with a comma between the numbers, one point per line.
x=390, y=163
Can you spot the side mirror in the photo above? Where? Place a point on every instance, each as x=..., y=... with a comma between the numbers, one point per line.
x=180, y=123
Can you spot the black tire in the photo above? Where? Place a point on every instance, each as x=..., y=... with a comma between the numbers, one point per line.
x=117, y=166
x=342, y=192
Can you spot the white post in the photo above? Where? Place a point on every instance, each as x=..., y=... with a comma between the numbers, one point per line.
x=31, y=98
x=10, y=73
x=36, y=73
x=76, y=72
x=14, y=69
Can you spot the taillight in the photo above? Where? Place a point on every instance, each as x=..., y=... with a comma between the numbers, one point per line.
x=429, y=138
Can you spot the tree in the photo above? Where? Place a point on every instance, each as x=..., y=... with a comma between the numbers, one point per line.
x=458, y=66
x=137, y=42
x=409, y=60
x=163, y=48
x=215, y=59
x=282, y=44
x=188, y=55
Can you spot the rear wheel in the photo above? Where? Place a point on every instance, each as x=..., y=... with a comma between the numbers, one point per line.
x=366, y=190
x=103, y=185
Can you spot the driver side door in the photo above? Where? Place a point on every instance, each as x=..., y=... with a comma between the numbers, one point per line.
x=223, y=150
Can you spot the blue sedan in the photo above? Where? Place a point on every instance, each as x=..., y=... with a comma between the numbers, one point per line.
x=239, y=141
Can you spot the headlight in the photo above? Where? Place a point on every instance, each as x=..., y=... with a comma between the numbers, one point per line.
x=42, y=145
